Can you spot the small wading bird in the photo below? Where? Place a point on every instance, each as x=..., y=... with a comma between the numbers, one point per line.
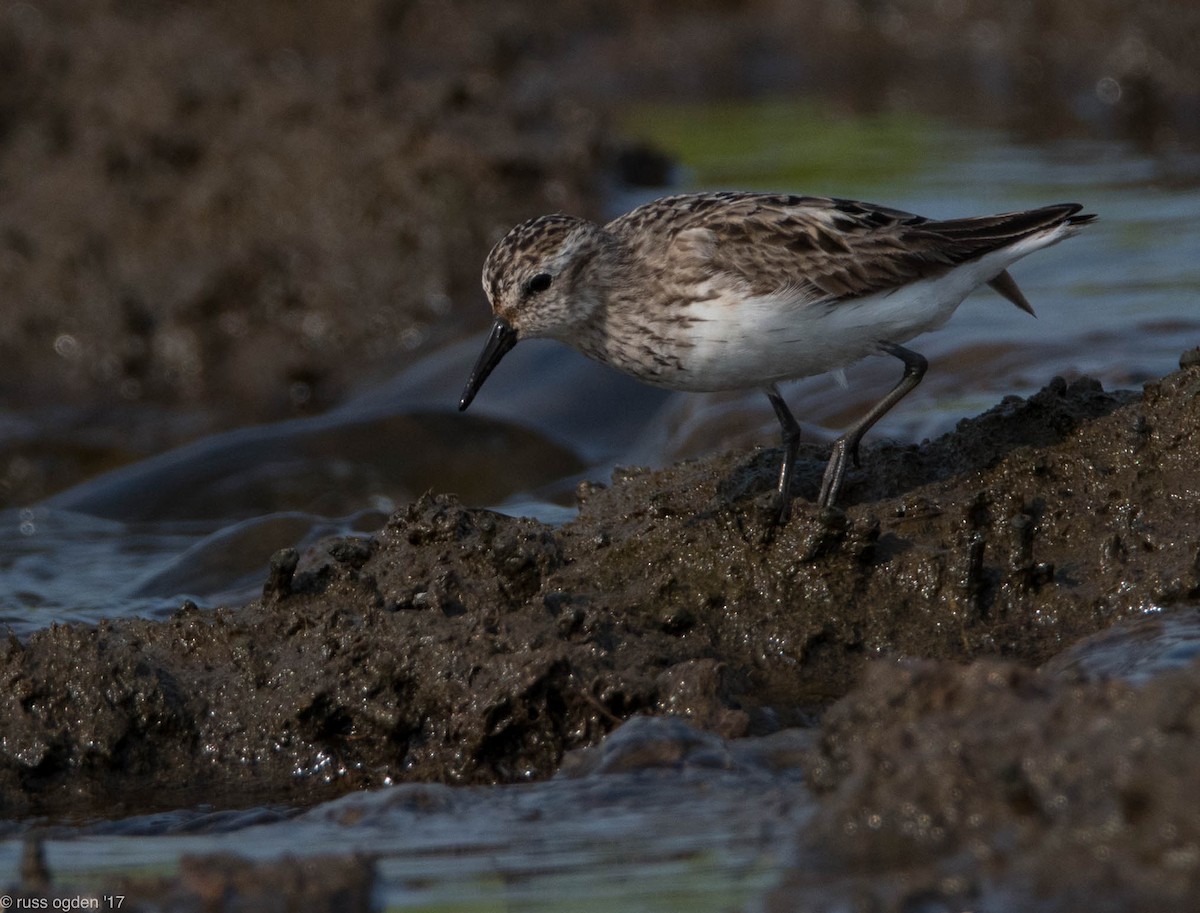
x=731, y=291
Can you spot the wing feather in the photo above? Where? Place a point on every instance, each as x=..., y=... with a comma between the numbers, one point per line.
x=828, y=249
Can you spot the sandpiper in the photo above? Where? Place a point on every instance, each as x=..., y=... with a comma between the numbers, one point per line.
x=731, y=291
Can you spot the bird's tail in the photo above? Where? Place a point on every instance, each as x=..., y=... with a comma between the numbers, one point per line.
x=1036, y=228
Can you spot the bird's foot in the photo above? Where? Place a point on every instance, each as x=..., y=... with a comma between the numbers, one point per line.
x=770, y=514
x=835, y=473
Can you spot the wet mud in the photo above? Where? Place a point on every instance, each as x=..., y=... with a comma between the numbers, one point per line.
x=994, y=787
x=464, y=646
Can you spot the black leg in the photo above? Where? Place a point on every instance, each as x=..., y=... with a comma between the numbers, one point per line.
x=791, y=443
x=846, y=447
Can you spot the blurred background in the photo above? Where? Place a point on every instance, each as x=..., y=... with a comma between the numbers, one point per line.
x=255, y=232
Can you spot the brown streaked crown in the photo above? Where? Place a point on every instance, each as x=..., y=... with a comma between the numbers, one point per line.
x=522, y=253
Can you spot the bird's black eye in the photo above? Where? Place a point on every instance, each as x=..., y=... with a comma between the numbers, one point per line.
x=538, y=283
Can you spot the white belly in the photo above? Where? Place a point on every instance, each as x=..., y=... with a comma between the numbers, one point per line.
x=738, y=343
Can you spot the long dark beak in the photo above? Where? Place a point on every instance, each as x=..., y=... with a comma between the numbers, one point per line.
x=503, y=338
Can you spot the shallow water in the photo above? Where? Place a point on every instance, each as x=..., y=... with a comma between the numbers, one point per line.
x=635, y=842
x=705, y=831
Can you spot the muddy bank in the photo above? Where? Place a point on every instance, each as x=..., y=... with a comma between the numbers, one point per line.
x=932, y=786
x=463, y=646
x=994, y=787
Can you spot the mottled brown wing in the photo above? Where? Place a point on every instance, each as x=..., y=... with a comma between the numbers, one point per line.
x=827, y=254
x=826, y=249
x=823, y=249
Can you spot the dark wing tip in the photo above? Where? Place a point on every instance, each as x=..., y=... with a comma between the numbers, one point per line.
x=1070, y=213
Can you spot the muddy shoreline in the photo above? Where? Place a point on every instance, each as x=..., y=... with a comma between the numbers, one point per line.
x=464, y=646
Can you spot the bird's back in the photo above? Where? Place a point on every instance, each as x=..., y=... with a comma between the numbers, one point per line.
x=826, y=248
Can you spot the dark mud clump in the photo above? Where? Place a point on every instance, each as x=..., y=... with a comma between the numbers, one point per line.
x=464, y=646
x=996, y=787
